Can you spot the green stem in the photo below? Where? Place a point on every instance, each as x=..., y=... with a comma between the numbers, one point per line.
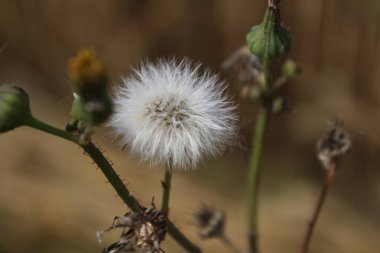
x=42, y=126
x=112, y=177
x=267, y=75
x=166, y=185
x=253, y=179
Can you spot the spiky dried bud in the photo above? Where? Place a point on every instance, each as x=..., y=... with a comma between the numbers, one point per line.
x=14, y=107
x=210, y=222
x=334, y=143
x=270, y=39
x=145, y=231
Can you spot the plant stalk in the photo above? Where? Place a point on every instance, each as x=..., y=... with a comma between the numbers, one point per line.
x=257, y=152
x=166, y=185
x=329, y=176
x=107, y=169
x=253, y=179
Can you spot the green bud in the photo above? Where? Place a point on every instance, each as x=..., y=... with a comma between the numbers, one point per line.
x=14, y=107
x=290, y=69
x=279, y=105
x=269, y=39
x=255, y=93
x=93, y=112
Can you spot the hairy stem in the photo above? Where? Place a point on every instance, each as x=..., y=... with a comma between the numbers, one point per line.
x=329, y=176
x=166, y=185
x=182, y=239
x=107, y=169
x=253, y=179
x=97, y=156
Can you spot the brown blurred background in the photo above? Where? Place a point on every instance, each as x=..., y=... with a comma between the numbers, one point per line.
x=52, y=199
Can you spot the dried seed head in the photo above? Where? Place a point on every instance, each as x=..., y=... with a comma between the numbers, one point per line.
x=246, y=65
x=143, y=231
x=334, y=143
x=210, y=222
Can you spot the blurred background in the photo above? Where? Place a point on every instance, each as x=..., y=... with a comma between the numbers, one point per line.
x=52, y=199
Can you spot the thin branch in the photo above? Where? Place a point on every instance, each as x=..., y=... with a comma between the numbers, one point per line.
x=329, y=176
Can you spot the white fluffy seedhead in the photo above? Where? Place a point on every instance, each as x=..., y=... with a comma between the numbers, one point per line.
x=170, y=113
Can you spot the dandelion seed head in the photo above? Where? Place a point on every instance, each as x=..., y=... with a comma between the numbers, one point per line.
x=169, y=112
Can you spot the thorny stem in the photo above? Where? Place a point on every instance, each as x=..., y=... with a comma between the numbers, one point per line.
x=166, y=185
x=182, y=239
x=107, y=169
x=329, y=176
x=227, y=241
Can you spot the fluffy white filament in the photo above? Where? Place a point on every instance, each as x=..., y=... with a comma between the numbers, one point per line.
x=168, y=112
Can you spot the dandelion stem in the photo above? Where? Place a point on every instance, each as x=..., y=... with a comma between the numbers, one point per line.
x=329, y=176
x=253, y=179
x=166, y=185
x=107, y=169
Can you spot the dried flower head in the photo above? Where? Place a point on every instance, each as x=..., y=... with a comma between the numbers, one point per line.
x=334, y=143
x=210, y=222
x=143, y=231
x=170, y=112
x=247, y=70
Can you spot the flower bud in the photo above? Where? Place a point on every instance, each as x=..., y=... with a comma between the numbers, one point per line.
x=14, y=107
x=94, y=111
x=269, y=39
x=88, y=74
x=290, y=69
x=91, y=105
